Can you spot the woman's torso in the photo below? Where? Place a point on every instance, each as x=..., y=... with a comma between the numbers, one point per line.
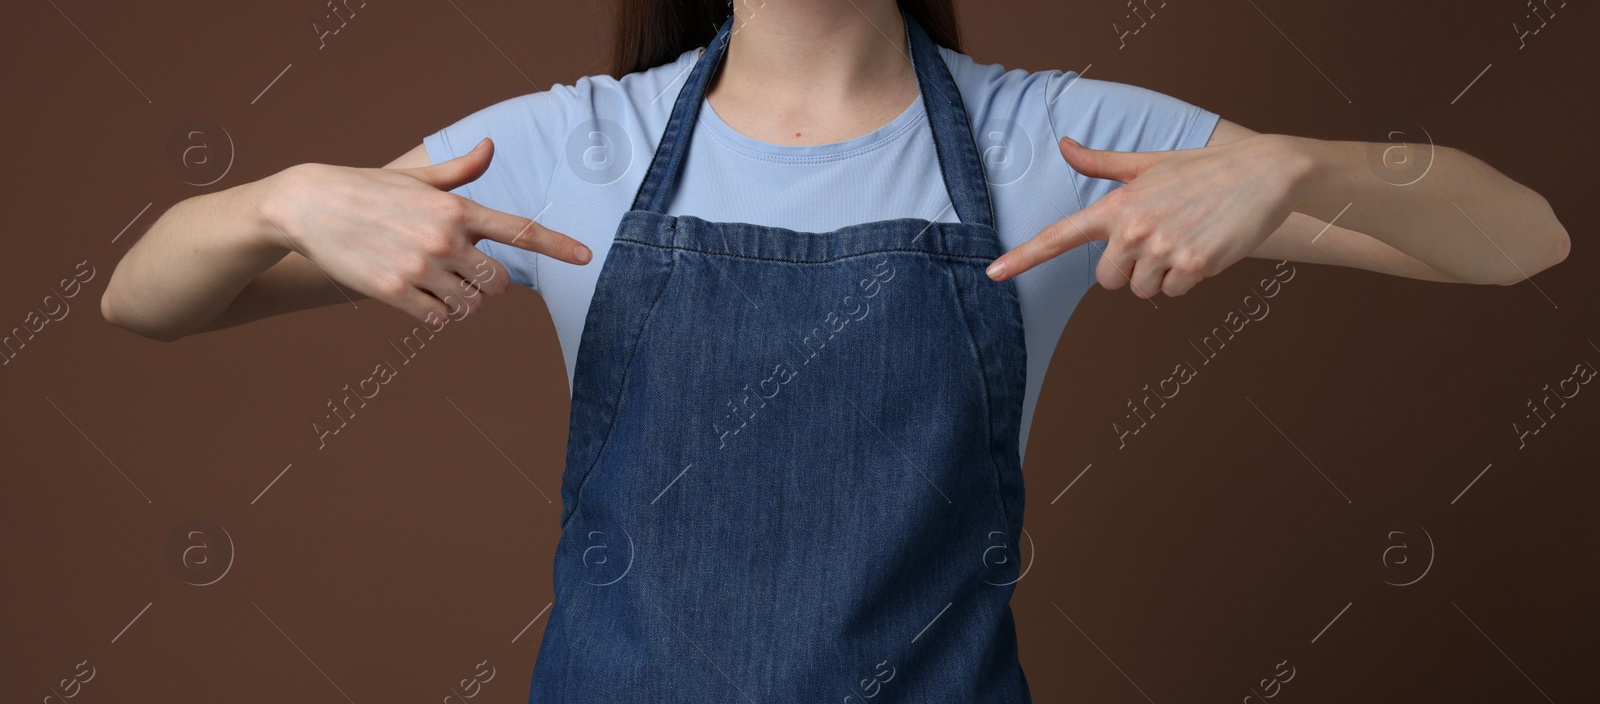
x=573, y=157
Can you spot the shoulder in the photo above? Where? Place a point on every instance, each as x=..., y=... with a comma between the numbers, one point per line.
x=1074, y=105
x=992, y=88
x=636, y=97
x=640, y=97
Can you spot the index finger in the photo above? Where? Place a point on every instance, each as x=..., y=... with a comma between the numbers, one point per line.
x=1072, y=231
x=520, y=232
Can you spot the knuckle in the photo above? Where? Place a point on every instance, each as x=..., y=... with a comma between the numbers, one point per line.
x=450, y=207
x=1193, y=261
x=391, y=287
x=532, y=232
x=436, y=243
x=1133, y=235
x=1139, y=224
x=412, y=267
x=1058, y=236
x=1159, y=246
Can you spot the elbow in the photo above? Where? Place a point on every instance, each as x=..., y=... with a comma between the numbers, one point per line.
x=1553, y=249
x=1560, y=246
x=108, y=311
x=1557, y=244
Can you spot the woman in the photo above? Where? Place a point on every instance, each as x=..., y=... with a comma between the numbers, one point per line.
x=801, y=385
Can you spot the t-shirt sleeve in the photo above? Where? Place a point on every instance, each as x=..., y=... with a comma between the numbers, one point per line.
x=1121, y=117
x=528, y=132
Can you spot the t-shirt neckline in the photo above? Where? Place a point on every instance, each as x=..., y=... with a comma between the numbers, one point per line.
x=750, y=146
x=810, y=152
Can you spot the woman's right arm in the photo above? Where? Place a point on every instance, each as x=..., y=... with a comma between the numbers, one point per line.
x=276, y=245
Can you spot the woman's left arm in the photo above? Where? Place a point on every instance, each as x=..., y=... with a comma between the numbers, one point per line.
x=1188, y=214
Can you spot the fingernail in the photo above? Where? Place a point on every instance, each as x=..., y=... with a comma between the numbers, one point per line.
x=996, y=270
x=584, y=254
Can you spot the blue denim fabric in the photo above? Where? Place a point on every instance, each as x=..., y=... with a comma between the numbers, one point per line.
x=793, y=471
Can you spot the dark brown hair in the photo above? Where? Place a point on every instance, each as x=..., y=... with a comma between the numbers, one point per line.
x=650, y=33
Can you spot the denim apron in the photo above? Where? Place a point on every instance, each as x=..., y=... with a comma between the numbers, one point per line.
x=793, y=471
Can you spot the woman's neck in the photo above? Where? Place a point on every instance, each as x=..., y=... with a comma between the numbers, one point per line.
x=814, y=71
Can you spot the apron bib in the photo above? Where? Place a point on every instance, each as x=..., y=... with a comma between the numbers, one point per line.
x=793, y=470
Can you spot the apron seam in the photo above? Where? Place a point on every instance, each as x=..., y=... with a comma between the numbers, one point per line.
x=988, y=401
x=679, y=248
x=616, y=407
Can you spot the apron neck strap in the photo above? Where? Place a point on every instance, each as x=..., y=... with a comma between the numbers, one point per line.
x=947, y=118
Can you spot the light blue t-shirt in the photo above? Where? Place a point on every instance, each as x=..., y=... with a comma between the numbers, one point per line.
x=572, y=158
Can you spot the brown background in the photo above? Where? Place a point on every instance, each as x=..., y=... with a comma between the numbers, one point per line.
x=417, y=544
